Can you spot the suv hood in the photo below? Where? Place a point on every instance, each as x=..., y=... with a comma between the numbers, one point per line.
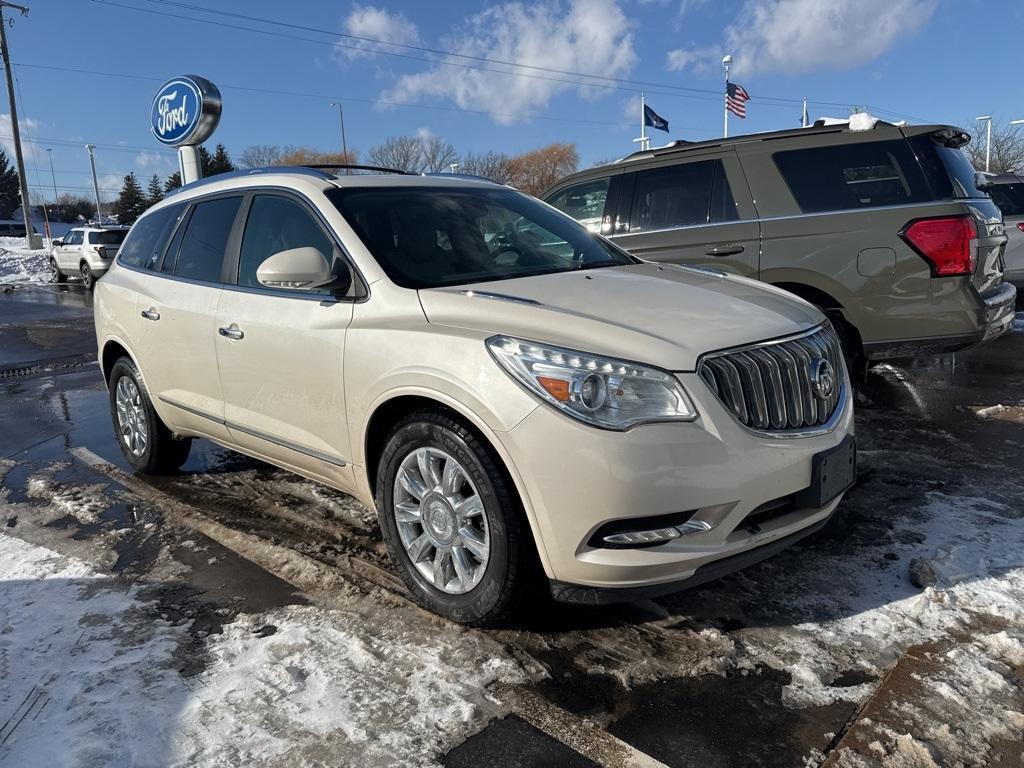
x=659, y=314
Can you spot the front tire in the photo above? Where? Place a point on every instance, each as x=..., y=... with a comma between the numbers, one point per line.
x=56, y=276
x=88, y=279
x=145, y=441
x=453, y=527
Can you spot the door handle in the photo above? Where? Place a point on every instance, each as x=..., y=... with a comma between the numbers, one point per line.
x=231, y=333
x=151, y=314
x=724, y=250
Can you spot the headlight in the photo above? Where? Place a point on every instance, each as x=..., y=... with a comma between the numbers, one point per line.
x=602, y=391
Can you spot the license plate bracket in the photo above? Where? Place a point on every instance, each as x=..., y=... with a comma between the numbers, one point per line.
x=832, y=472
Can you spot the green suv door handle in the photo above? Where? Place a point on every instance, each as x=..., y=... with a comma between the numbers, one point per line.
x=724, y=250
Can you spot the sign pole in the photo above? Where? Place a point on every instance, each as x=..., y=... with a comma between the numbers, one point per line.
x=189, y=163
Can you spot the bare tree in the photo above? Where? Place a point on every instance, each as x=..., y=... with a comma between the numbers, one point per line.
x=437, y=154
x=490, y=165
x=260, y=156
x=1007, y=148
x=307, y=156
x=535, y=171
x=403, y=153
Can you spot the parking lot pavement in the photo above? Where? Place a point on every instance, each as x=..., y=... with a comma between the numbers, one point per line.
x=235, y=613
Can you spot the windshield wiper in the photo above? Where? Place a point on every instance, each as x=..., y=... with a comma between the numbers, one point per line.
x=601, y=263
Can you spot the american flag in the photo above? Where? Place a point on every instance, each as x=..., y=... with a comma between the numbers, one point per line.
x=736, y=98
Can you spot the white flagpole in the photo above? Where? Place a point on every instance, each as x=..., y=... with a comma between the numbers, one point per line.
x=803, y=117
x=643, y=140
x=726, y=61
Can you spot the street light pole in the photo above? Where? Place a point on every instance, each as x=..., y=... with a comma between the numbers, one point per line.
x=95, y=185
x=341, y=118
x=53, y=176
x=15, y=131
x=988, y=140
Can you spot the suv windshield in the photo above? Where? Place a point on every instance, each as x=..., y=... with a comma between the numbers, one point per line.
x=428, y=237
x=108, y=237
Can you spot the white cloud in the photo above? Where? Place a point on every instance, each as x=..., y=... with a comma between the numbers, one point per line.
x=796, y=36
x=695, y=59
x=30, y=150
x=152, y=161
x=378, y=24
x=581, y=36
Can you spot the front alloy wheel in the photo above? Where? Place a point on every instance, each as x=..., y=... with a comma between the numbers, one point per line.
x=454, y=528
x=56, y=276
x=441, y=521
x=131, y=417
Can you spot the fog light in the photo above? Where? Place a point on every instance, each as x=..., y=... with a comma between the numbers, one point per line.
x=637, y=538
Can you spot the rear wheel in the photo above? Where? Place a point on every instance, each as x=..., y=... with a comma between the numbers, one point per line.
x=145, y=441
x=88, y=279
x=56, y=276
x=454, y=530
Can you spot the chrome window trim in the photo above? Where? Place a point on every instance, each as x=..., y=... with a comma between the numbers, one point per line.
x=320, y=455
x=787, y=217
x=243, y=192
x=784, y=434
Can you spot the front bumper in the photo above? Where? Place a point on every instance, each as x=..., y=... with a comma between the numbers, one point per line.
x=578, y=478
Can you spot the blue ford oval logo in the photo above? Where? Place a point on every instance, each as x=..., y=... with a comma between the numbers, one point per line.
x=177, y=110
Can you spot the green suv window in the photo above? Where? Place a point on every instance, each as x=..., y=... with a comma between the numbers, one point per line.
x=681, y=196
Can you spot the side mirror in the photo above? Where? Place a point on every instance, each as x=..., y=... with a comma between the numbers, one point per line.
x=58, y=241
x=300, y=269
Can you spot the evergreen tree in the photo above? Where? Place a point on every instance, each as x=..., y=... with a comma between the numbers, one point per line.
x=155, y=191
x=10, y=195
x=173, y=182
x=205, y=161
x=131, y=203
x=219, y=163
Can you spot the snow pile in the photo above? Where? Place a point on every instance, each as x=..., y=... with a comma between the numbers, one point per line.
x=88, y=677
x=20, y=265
x=338, y=688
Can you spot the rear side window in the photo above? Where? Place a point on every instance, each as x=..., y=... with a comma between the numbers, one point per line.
x=108, y=237
x=278, y=224
x=948, y=169
x=584, y=202
x=148, y=238
x=850, y=176
x=680, y=196
x=206, y=239
x=1009, y=198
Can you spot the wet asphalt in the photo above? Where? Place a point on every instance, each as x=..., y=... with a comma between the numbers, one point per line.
x=53, y=400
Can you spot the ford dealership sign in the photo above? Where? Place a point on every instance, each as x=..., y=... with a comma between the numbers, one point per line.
x=186, y=111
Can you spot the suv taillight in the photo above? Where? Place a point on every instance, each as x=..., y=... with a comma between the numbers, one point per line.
x=1020, y=226
x=946, y=243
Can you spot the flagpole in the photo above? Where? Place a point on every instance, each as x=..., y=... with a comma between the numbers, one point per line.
x=803, y=117
x=726, y=61
x=643, y=123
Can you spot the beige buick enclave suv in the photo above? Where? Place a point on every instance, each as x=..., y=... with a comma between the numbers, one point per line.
x=518, y=398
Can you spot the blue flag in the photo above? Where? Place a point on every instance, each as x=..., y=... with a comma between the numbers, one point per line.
x=655, y=120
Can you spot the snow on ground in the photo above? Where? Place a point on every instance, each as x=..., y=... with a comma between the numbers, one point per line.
x=18, y=264
x=88, y=678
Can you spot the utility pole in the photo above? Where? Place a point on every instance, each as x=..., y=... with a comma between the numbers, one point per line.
x=15, y=131
x=95, y=185
x=341, y=117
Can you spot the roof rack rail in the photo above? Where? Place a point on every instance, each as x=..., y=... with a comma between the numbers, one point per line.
x=353, y=167
x=305, y=170
x=474, y=176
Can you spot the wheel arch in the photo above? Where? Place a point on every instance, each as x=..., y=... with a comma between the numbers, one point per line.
x=113, y=350
x=387, y=412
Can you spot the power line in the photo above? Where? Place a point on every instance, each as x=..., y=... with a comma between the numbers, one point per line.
x=614, y=83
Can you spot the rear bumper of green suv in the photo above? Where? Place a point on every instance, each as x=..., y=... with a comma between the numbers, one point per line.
x=995, y=318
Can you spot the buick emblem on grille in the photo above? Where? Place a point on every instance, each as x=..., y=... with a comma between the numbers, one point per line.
x=823, y=378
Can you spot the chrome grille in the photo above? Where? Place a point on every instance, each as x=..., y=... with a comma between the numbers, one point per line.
x=771, y=387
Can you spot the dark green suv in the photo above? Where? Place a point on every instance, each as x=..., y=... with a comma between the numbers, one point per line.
x=883, y=228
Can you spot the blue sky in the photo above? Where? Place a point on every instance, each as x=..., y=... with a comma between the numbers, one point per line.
x=923, y=60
